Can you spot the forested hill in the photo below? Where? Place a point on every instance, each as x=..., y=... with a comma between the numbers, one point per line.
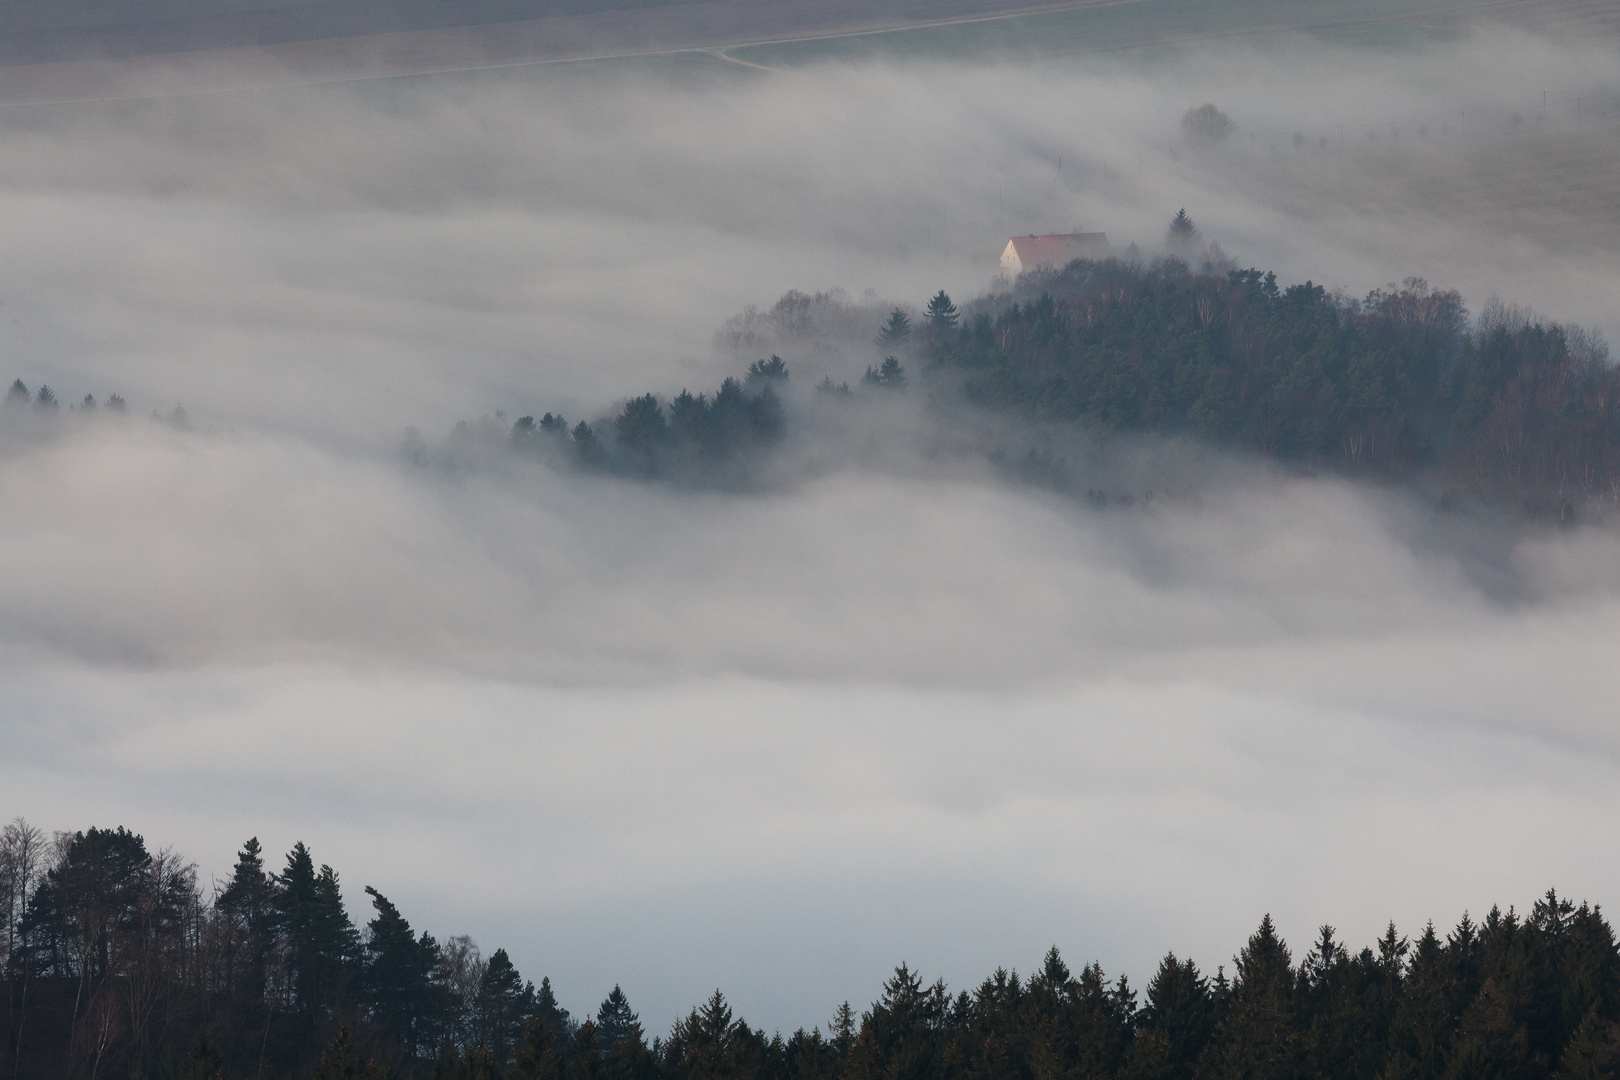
x=117, y=964
x=1506, y=409
x=1401, y=385
x=1396, y=384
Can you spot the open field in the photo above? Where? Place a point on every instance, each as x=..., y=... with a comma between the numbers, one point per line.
x=49, y=53
x=171, y=65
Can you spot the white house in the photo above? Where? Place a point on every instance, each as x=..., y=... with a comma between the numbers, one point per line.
x=1054, y=249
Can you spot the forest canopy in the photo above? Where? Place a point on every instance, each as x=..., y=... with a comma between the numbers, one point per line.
x=118, y=961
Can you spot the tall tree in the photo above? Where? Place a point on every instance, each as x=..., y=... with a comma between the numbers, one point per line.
x=614, y=1018
x=249, y=902
x=505, y=1004
x=1256, y=1040
x=941, y=313
x=404, y=1000
x=896, y=331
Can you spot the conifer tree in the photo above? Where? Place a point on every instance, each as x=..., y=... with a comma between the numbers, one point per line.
x=399, y=985
x=249, y=899
x=1256, y=1039
x=1177, y=1021
x=896, y=332
x=614, y=1019
x=505, y=1003
x=941, y=313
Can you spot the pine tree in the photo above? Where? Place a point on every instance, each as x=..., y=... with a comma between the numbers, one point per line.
x=1177, y=1021
x=1182, y=233
x=614, y=1019
x=404, y=1000
x=843, y=1029
x=505, y=1003
x=940, y=313
x=586, y=445
x=18, y=394
x=322, y=943
x=641, y=427
x=249, y=899
x=1256, y=1040
x=896, y=332
x=540, y=1053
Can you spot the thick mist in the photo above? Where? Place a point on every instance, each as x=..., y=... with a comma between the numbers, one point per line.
x=894, y=707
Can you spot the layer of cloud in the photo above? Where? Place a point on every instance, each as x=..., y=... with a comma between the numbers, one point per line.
x=777, y=741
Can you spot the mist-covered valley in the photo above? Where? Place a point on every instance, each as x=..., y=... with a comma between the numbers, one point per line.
x=889, y=695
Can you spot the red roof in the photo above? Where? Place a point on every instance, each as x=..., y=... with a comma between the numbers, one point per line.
x=1059, y=248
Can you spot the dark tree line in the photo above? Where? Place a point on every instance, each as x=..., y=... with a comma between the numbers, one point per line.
x=44, y=400
x=117, y=964
x=690, y=438
x=1398, y=383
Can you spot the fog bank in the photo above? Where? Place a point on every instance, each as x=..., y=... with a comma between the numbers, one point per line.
x=777, y=742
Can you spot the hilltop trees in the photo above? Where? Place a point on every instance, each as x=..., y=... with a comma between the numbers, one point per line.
x=1396, y=383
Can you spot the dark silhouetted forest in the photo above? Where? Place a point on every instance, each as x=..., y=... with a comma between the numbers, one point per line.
x=1398, y=383
x=1401, y=384
x=119, y=962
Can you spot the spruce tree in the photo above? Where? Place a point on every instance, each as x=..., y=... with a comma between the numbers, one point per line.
x=505, y=1003
x=614, y=1019
x=1177, y=1021
x=1256, y=1040
x=896, y=332
x=249, y=900
x=941, y=313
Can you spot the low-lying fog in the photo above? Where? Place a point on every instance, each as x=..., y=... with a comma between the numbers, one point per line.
x=897, y=709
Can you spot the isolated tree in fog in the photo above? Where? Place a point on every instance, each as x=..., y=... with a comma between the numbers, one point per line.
x=896, y=331
x=1205, y=125
x=1182, y=233
x=941, y=313
x=18, y=394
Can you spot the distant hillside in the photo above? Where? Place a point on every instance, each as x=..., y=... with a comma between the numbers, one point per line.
x=1396, y=384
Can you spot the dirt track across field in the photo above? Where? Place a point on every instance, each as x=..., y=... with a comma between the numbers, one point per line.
x=655, y=28
x=648, y=31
